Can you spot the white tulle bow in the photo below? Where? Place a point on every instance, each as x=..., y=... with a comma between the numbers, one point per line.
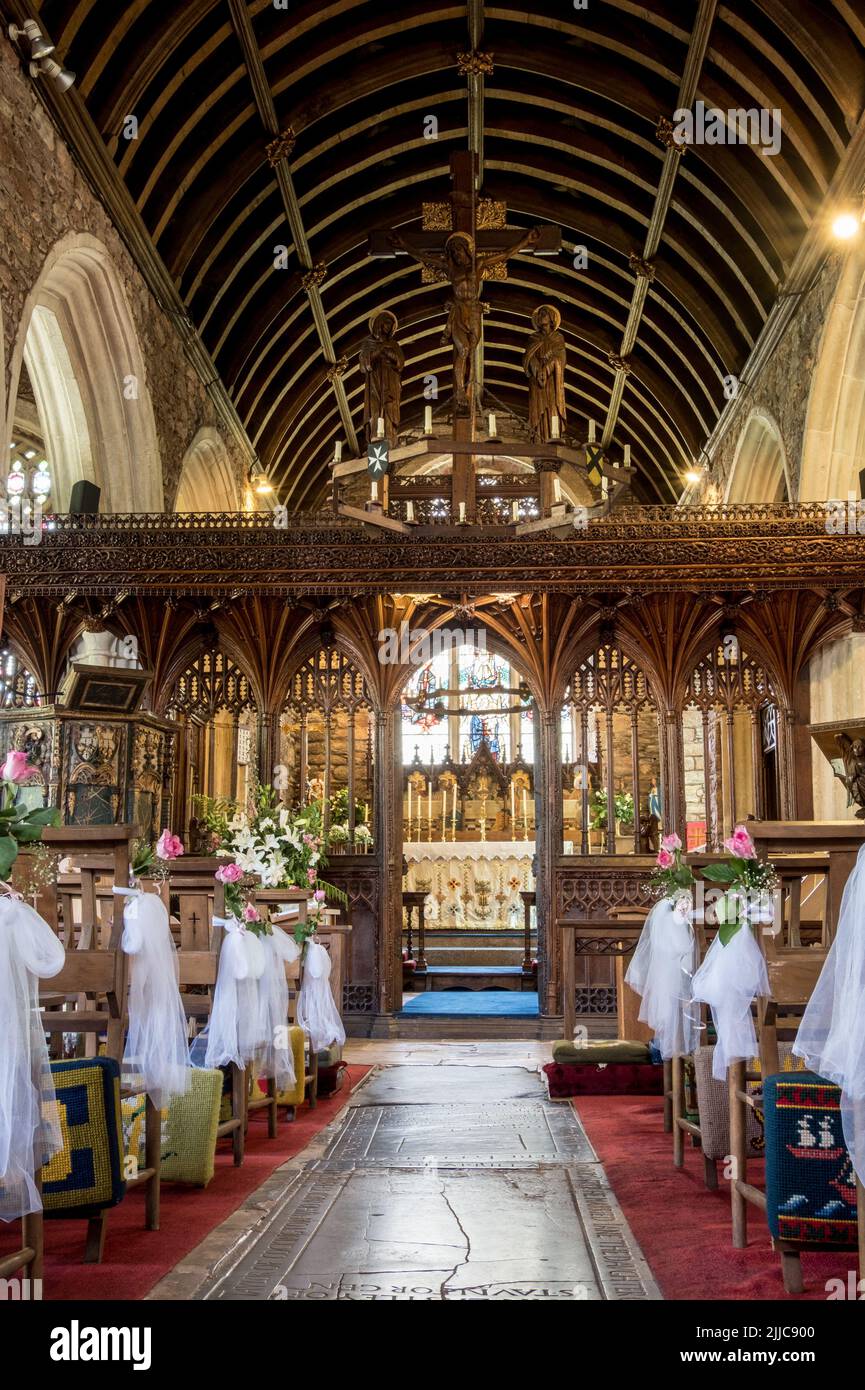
x=29, y=1122
x=831, y=1036
x=729, y=980
x=661, y=972
x=157, y=1051
x=316, y=1012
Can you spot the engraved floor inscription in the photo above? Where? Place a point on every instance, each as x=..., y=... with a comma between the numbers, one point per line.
x=461, y=1190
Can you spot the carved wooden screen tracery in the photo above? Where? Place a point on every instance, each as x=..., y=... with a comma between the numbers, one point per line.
x=332, y=712
x=726, y=687
x=210, y=684
x=215, y=699
x=615, y=721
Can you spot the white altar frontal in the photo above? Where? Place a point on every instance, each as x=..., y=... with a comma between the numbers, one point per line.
x=471, y=885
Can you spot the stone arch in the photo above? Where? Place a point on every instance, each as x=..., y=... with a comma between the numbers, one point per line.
x=834, y=441
x=760, y=471
x=79, y=342
x=207, y=481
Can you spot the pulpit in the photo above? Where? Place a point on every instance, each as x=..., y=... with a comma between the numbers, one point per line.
x=94, y=753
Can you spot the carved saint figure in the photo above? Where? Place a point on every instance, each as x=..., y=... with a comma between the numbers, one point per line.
x=382, y=361
x=464, y=267
x=853, y=753
x=544, y=365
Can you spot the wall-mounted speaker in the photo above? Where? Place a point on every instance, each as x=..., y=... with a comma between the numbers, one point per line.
x=84, y=498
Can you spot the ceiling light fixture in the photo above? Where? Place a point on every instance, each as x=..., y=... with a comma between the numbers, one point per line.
x=845, y=226
x=41, y=63
x=261, y=484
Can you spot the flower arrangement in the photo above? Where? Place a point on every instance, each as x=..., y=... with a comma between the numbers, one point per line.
x=17, y=826
x=213, y=814
x=671, y=875
x=748, y=884
x=623, y=807
x=150, y=861
x=276, y=846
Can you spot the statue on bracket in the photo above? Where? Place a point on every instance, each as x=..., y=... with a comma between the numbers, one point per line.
x=382, y=361
x=544, y=365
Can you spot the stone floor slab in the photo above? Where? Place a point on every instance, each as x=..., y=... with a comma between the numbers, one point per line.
x=447, y=1085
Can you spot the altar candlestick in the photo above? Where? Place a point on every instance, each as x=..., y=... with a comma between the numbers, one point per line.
x=444, y=813
x=554, y=427
x=427, y=419
x=410, y=511
x=454, y=815
x=513, y=812
x=591, y=431
x=525, y=814
x=429, y=806
x=409, y=809
x=627, y=453
x=379, y=428
x=462, y=513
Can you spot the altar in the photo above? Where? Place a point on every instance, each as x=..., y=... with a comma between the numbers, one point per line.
x=471, y=885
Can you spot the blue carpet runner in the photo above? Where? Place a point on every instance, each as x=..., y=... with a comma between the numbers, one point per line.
x=480, y=1003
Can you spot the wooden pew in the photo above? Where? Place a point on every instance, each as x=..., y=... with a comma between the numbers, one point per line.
x=841, y=840
x=97, y=975
x=793, y=972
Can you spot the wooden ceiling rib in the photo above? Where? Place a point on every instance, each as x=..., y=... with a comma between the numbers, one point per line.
x=565, y=125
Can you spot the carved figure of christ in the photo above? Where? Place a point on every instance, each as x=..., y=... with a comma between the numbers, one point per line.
x=464, y=266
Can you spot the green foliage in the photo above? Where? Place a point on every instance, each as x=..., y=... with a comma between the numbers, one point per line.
x=19, y=827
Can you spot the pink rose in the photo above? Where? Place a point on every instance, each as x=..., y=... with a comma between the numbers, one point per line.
x=16, y=767
x=319, y=895
x=671, y=841
x=665, y=859
x=169, y=846
x=312, y=875
x=251, y=913
x=229, y=873
x=741, y=844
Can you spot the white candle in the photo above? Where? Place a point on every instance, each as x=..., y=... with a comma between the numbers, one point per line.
x=557, y=490
x=374, y=490
x=454, y=815
x=410, y=510
x=492, y=425
x=627, y=454
x=380, y=427
x=525, y=812
x=427, y=419
x=462, y=512
x=515, y=511
x=513, y=812
x=429, y=806
x=554, y=427
x=409, y=808
x=337, y=452
x=591, y=431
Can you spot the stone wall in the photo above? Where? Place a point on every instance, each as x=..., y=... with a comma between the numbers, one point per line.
x=44, y=198
x=782, y=390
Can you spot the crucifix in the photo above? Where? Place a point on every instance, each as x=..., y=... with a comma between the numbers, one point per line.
x=464, y=242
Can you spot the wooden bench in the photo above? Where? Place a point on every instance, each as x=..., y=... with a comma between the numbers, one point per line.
x=96, y=976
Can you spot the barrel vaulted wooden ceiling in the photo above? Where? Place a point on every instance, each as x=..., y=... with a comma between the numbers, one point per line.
x=565, y=124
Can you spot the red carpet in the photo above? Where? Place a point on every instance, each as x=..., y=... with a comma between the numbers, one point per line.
x=682, y=1227
x=136, y=1259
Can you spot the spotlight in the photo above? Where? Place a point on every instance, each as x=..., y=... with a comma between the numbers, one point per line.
x=40, y=47
x=845, y=226
x=261, y=484
x=62, y=78
x=693, y=476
